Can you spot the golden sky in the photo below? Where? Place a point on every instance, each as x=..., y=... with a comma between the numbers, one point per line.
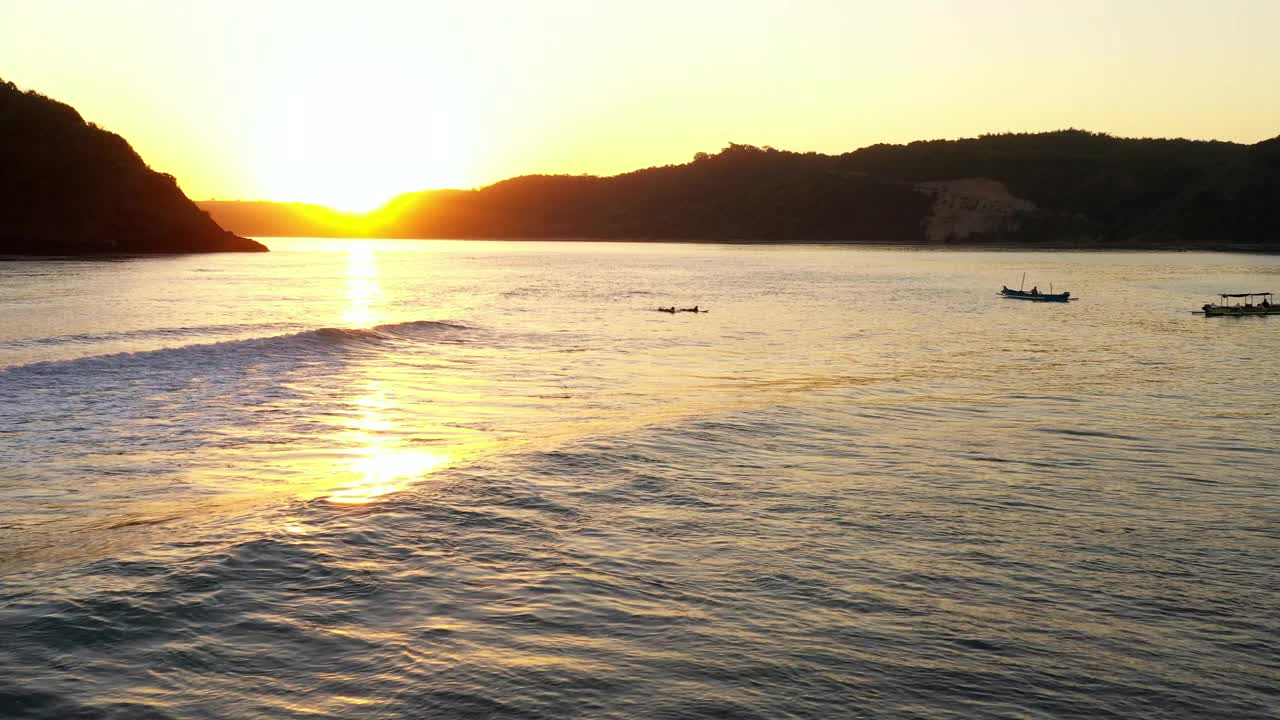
x=348, y=103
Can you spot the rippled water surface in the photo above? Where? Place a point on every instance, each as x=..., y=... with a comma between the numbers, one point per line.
x=488, y=480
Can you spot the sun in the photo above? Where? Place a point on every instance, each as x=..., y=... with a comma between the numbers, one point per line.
x=355, y=146
x=356, y=198
x=348, y=174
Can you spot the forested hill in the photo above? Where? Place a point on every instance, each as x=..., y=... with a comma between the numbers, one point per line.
x=68, y=187
x=1060, y=189
x=1095, y=189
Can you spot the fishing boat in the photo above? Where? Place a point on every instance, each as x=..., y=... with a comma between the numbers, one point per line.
x=1264, y=306
x=1035, y=295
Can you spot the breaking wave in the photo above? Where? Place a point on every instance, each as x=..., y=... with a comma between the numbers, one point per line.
x=305, y=344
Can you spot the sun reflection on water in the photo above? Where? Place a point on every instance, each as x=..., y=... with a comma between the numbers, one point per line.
x=363, y=291
x=382, y=464
x=383, y=470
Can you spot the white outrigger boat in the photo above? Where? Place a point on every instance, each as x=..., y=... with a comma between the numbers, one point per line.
x=1265, y=306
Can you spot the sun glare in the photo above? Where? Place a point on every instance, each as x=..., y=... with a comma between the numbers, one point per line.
x=355, y=176
x=355, y=138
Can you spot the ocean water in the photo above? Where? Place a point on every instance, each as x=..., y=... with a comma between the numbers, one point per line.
x=487, y=480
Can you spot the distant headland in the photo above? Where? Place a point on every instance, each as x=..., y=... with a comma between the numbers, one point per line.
x=1064, y=189
x=68, y=187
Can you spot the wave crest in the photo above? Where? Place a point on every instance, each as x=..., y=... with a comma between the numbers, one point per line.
x=291, y=344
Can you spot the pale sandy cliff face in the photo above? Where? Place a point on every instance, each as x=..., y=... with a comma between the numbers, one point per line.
x=963, y=209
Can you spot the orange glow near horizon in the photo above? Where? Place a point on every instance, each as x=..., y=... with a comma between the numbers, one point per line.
x=324, y=103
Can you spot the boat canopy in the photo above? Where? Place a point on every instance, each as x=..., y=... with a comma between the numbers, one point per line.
x=1243, y=294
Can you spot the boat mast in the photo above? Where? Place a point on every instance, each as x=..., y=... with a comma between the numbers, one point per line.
x=1023, y=283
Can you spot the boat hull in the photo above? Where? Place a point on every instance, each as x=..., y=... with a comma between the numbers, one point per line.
x=1233, y=311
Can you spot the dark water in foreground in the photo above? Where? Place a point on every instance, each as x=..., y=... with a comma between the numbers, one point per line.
x=487, y=480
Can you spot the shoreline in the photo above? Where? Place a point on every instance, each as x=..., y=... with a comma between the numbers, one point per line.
x=959, y=247
x=1072, y=247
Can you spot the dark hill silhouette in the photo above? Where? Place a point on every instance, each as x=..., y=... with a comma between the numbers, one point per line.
x=68, y=187
x=743, y=193
x=1069, y=188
